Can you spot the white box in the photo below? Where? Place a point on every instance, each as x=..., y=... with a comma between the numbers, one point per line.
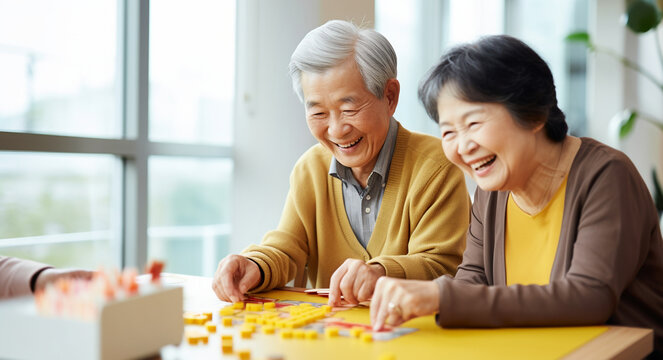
x=135, y=327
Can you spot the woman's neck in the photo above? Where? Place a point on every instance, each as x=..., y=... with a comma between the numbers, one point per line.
x=551, y=163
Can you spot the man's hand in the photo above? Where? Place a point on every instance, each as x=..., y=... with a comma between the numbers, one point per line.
x=50, y=275
x=396, y=301
x=355, y=280
x=234, y=276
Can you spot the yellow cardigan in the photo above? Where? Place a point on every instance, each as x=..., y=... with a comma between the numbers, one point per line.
x=419, y=232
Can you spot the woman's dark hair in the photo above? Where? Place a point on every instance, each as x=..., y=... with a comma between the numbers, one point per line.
x=498, y=69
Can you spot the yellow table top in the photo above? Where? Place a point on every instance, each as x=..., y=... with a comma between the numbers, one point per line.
x=429, y=341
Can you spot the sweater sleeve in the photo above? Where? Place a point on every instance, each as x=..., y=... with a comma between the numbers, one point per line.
x=283, y=253
x=610, y=246
x=439, y=215
x=472, y=270
x=15, y=276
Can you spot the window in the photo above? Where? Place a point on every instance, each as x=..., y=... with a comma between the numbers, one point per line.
x=116, y=132
x=421, y=31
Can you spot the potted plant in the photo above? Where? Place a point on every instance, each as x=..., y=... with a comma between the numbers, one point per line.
x=641, y=16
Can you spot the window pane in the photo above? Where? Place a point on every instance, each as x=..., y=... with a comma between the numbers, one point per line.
x=567, y=61
x=189, y=213
x=57, y=208
x=192, y=66
x=58, y=65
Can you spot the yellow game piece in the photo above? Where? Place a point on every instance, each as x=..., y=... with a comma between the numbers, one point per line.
x=268, y=329
x=210, y=326
x=193, y=337
x=327, y=309
x=387, y=356
x=331, y=331
x=195, y=318
x=250, y=318
x=280, y=324
x=269, y=305
x=227, y=346
x=227, y=311
x=238, y=305
x=204, y=339
x=311, y=334
x=226, y=337
x=299, y=334
x=254, y=307
x=250, y=327
x=227, y=321
x=286, y=334
x=356, y=331
x=245, y=333
x=208, y=315
x=367, y=337
x=244, y=354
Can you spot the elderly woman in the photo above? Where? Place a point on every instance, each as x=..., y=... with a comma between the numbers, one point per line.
x=563, y=229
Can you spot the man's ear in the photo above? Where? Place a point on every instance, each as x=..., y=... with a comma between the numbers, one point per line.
x=392, y=90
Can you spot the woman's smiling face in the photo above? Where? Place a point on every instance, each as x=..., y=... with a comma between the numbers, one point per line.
x=484, y=140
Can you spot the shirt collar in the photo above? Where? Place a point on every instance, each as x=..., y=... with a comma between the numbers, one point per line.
x=340, y=171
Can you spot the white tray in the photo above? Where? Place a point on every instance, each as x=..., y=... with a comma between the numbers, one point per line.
x=135, y=327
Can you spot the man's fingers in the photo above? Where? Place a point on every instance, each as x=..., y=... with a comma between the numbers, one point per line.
x=347, y=287
x=334, y=290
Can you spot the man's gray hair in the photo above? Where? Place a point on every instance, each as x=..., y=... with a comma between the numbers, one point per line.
x=330, y=44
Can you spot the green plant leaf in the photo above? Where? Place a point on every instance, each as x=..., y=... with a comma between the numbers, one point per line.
x=578, y=36
x=642, y=16
x=658, y=193
x=626, y=122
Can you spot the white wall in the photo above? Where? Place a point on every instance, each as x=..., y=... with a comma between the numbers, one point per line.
x=271, y=132
x=612, y=88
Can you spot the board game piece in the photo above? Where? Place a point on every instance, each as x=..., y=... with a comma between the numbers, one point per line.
x=227, y=321
x=356, y=331
x=269, y=305
x=227, y=311
x=268, y=329
x=366, y=337
x=254, y=307
x=286, y=334
x=227, y=346
x=331, y=331
x=244, y=354
x=245, y=332
x=210, y=326
x=238, y=305
x=299, y=334
x=311, y=334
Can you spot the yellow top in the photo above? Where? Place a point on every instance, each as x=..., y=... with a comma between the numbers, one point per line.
x=530, y=242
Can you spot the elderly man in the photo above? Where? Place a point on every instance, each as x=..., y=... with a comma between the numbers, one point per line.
x=371, y=199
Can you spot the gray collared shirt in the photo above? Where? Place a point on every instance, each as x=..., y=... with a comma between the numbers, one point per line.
x=362, y=204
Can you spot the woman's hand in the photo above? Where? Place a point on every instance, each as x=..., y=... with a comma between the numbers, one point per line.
x=396, y=301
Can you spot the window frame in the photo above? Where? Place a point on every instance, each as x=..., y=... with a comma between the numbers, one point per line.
x=134, y=147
